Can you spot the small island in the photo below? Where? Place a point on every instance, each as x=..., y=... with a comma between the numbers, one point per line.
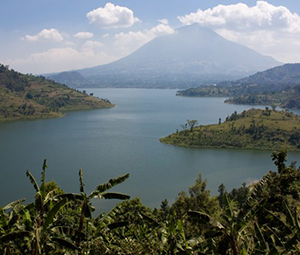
x=25, y=96
x=253, y=129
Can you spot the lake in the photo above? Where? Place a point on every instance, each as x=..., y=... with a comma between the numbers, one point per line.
x=107, y=143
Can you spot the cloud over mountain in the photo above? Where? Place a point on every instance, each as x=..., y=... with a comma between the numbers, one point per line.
x=133, y=40
x=112, y=16
x=46, y=34
x=268, y=29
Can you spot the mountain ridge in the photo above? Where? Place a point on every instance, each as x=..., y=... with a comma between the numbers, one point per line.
x=193, y=55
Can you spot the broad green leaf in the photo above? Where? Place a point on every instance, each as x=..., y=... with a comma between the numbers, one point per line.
x=118, y=224
x=66, y=243
x=111, y=183
x=81, y=181
x=13, y=204
x=3, y=221
x=53, y=212
x=202, y=217
x=14, y=235
x=70, y=232
x=289, y=215
x=71, y=196
x=33, y=181
x=113, y=195
x=260, y=237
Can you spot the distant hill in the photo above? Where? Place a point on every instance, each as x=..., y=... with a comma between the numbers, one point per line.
x=73, y=79
x=288, y=98
x=192, y=56
x=253, y=129
x=279, y=86
x=30, y=97
x=277, y=77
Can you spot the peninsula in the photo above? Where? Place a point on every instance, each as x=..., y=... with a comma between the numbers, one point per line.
x=253, y=129
x=25, y=96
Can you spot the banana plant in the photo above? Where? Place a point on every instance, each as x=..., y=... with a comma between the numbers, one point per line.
x=84, y=199
x=42, y=215
x=284, y=236
x=231, y=227
x=10, y=227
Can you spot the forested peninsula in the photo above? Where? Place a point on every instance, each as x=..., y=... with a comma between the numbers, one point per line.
x=253, y=129
x=25, y=96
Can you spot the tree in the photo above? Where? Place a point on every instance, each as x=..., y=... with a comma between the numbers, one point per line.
x=86, y=207
x=40, y=227
x=229, y=230
x=192, y=124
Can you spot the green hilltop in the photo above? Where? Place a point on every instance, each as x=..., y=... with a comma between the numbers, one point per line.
x=31, y=97
x=253, y=129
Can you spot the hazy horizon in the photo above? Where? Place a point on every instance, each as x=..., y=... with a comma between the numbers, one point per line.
x=54, y=36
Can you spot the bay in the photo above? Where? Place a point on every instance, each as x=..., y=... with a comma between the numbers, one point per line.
x=107, y=143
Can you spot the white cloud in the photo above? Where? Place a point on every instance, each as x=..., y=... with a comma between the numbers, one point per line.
x=240, y=17
x=268, y=29
x=60, y=59
x=46, y=34
x=84, y=35
x=163, y=21
x=112, y=16
x=128, y=42
x=91, y=46
x=105, y=35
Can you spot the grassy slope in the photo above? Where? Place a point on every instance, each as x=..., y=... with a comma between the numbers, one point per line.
x=29, y=97
x=252, y=129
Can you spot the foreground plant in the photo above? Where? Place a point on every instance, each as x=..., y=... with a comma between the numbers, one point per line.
x=38, y=228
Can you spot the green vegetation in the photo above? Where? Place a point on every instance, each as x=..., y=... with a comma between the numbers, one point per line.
x=286, y=99
x=262, y=218
x=251, y=95
x=210, y=91
x=30, y=97
x=253, y=129
x=277, y=86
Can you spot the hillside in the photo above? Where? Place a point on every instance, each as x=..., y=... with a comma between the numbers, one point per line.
x=30, y=97
x=252, y=129
x=73, y=79
x=276, y=79
x=278, y=86
x=289, y=98
x=280, y=76
x=192, y=56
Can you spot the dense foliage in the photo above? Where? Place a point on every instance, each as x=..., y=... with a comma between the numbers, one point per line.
x=262, y=218
x=29, y=97
x=252, y=129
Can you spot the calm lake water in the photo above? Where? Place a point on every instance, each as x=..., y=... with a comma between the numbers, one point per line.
x=111, y=142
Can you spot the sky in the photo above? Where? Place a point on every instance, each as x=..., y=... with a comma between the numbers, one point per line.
x=46, y=36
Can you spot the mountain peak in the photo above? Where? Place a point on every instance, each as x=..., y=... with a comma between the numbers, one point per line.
x=192, y=56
